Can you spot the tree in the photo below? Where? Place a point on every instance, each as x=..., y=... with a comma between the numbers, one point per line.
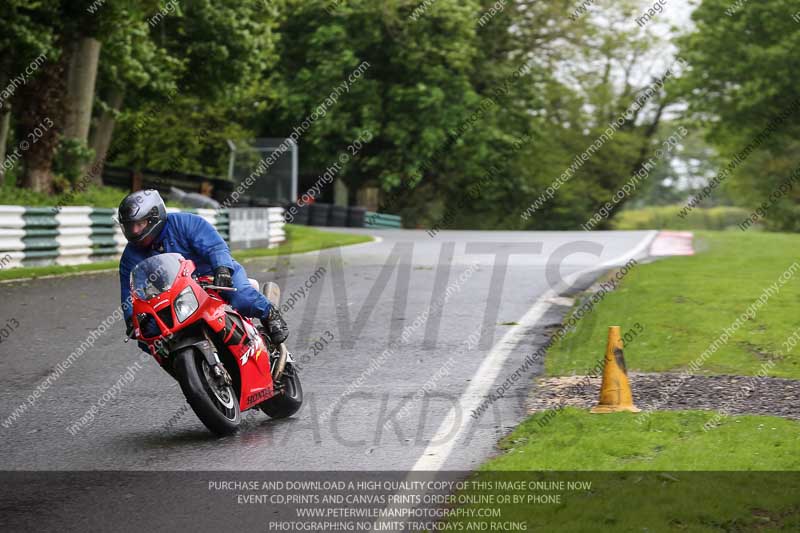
x=194, y=88
x=444, y=96
x=742, y=85
x=743, y=67
x=409, y=84
x=61, y=91
x=614, y=75
x=468, y=105
x=682, y=172
x=133, y=68
x=89, y=28
x=26, y=40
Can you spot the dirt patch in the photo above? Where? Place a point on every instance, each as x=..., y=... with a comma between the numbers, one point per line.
x=758, y=352
x=730, y=394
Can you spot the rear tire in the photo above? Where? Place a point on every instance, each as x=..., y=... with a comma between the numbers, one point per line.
x=289, y=400
x=216, y=407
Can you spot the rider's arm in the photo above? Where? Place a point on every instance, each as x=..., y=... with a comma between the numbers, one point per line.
x=208, y=243
x=126, y=264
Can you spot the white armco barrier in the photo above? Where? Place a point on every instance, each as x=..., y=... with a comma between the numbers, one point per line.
x=277, y=234
x=32, y=236
x=74, y=226
x=256, y=227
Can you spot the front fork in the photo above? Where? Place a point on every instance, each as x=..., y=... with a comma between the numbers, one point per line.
x=218, y=370
x=209, y=350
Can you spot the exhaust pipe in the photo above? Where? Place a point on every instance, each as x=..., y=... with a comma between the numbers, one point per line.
x=273, y=293
x=277, y=372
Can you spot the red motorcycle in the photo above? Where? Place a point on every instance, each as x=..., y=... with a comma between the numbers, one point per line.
x=223, y=362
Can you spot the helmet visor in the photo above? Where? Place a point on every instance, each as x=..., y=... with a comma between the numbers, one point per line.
x=134, y=229
x=138, y=229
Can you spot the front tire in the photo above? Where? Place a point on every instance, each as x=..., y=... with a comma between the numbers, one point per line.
x=289, y=400
x=217, y=407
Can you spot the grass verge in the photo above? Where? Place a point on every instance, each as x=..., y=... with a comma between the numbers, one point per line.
x=93, y=195
x=666, y=217
x=684, y=305
x=667, y=474
x=299, y=239
x=663, y=471
x=302, y=239
x=575, y=439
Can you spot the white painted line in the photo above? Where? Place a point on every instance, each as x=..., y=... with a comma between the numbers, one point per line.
x=435, y=455
x=375, y=240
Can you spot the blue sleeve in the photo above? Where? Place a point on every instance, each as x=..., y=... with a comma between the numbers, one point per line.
x=208, y=243
x=126, y=264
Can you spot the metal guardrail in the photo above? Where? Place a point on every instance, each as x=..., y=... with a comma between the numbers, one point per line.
x=322, y=214
x=256, y=227
x=277, y=232
x=35, y=236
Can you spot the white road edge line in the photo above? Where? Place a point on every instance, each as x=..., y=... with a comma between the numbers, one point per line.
x=435, y=456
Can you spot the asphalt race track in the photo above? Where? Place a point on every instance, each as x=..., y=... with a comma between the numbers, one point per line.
x=449, y=303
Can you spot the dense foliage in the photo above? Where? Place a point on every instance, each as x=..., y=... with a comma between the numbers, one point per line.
x=743, y=77
x=470, y=110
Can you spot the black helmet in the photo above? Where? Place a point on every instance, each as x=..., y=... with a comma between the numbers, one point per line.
x=138, y=207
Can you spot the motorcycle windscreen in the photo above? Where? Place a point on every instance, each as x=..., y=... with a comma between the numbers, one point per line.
x=155, y=275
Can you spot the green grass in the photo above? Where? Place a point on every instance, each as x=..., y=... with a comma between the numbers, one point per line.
x=304, y=239
x=683, y=305
x=666, y=217
x=93, y=196
x=667, y=474
x=575, y=439
x=55, y=270
x=300, y=239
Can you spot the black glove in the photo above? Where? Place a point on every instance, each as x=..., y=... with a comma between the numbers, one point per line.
x=129, y=329
x=223, y=277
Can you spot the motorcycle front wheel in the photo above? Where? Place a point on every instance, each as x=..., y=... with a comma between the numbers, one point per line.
x=217, y=406
x=289, y=400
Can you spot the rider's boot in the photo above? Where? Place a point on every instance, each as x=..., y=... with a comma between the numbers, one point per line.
x=275, y=326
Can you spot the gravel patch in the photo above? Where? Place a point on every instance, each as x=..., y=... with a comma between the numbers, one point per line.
x=728, y=394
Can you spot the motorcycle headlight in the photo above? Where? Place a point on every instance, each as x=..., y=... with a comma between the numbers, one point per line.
x=186, y=304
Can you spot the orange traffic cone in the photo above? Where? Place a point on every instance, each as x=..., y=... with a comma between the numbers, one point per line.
x=615, y=392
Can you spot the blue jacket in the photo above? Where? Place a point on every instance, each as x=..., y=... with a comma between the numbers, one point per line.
x=186, y=234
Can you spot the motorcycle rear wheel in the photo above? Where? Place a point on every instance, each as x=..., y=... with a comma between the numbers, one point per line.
x=216, y=406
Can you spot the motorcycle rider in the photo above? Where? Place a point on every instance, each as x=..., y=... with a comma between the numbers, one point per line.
x=151, y=231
